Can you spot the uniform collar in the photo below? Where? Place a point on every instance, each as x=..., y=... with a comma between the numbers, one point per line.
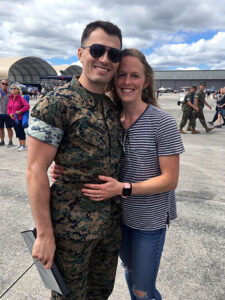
x=87, y=98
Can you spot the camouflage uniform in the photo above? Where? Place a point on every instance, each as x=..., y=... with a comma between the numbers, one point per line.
x=200, y=95
x=84, y=127
x=188, y=113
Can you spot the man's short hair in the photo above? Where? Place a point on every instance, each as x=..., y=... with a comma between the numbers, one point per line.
x=5, y=80
x=193, y=86
x=203, y=83
x=108, y=27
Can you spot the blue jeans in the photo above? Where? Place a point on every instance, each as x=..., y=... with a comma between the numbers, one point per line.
x=140, y=253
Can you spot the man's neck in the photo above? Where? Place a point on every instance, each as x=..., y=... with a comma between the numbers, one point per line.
x=91, y=86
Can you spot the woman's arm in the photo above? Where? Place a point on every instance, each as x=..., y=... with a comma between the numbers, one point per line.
x=24, y=106
x=165, y=182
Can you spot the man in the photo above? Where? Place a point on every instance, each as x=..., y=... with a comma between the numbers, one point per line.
x=76, y=126
x=200, y=102
x=188, y=108
x=5, y=120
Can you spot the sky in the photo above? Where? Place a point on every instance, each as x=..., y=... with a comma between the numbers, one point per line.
x=173, y=34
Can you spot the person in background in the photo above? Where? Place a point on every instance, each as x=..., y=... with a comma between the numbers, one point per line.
x=218, y=96
x=5, y=120
x=17, y=105
x=200, y=102
x=188, y=108
x=26, y=96
x=221, y=109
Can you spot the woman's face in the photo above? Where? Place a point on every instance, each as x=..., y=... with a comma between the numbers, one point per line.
x=130, y=80
x=14, y=91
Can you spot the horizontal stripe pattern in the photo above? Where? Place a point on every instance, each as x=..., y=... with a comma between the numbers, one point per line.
x=154, y=134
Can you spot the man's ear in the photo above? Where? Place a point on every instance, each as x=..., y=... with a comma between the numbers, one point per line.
x=80, y=54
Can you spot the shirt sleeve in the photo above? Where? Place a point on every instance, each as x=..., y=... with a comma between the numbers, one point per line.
x=197, y=95
x=49, y=120
x=168, y=138
x=45, y=133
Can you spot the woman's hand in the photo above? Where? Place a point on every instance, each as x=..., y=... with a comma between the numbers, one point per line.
x=18, y=112
x=12, y=116
x=99, y=192
x=56, y=172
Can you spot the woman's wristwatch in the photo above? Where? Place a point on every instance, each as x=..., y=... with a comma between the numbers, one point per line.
x=127, y=190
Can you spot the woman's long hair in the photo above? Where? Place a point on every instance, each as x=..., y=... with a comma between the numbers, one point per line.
x=148, y=94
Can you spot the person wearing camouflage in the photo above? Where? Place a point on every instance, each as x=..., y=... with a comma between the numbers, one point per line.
x=76, y=126
x=200, y=100
x=188, y=108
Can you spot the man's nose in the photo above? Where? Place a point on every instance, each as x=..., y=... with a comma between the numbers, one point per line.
x=104, y=58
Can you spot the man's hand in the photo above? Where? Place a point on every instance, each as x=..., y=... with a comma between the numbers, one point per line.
x=44, y=250
x=55, y=172
x=196, y=108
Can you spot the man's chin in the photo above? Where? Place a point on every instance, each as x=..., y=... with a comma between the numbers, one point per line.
x=101, y=80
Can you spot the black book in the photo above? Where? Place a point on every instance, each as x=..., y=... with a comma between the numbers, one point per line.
x=51, y=278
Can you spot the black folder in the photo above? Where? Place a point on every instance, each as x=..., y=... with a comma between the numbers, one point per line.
x=51, y=278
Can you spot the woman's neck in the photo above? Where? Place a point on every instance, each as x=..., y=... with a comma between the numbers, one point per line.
x=130, y=113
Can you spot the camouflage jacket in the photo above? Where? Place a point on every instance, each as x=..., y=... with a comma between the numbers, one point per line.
x=200, y=95
x=188, y=97
x=85, y=129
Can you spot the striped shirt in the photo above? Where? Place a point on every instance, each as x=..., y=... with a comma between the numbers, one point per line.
x=154, y=134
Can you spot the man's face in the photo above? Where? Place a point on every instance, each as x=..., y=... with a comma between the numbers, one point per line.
x=202, y=87
x=4, y=85
x=192, y=89
x=97, y=72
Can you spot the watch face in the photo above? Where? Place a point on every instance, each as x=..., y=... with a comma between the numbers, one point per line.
x=126, y=192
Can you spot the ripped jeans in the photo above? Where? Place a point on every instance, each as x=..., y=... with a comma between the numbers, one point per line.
x=140, y=253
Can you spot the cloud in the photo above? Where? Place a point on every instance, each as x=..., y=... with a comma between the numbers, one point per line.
x=209, y=52
x=52, y=29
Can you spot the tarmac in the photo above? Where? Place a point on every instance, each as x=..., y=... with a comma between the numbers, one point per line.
x=193, y=261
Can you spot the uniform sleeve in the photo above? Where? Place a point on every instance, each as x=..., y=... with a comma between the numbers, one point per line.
x=188, y=97
x=49, y=120
x=168, y=138
x=197, y=95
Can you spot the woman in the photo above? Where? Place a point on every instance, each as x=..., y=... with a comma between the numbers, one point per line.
x=220, y=105
x=17, y=105
x=148, y=174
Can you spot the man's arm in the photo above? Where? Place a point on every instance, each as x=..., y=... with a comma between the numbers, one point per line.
x=192, y=105
x=196, y=102
x=40, y=157
x=206, y=103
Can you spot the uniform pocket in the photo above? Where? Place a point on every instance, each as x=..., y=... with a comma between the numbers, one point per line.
x=92, y=133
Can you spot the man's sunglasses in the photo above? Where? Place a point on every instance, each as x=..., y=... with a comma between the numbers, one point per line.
x=4, y=83
x=97, y=50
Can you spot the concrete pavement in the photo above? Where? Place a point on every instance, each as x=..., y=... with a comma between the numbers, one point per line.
x=193, y=262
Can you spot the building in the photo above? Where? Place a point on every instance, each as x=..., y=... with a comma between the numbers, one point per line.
x=26, y=70
x=32, y=70
x=215, y=79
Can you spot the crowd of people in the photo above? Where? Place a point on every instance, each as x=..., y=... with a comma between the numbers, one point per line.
x=193, y=106
x=117, y=168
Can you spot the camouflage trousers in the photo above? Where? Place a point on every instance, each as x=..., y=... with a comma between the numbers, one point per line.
x=188, y=115
x=199, y=114
x=89, y=267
